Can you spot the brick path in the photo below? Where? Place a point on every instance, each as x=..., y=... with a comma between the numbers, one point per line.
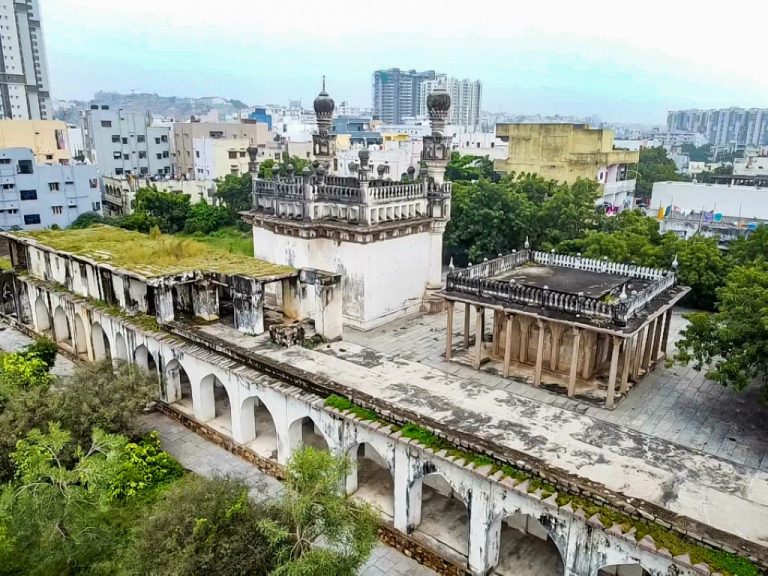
x=676, y=404
x=207, y=459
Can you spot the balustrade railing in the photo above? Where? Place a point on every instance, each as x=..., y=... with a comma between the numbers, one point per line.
x=496, y=266
x=596, y=265
x=389, y=192
x=343, y=194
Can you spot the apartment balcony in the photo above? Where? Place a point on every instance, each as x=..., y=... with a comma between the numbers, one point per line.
x=616, y=193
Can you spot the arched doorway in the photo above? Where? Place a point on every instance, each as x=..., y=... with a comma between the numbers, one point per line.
x=259, y=432
x=100, y=343
x=372, y=480
x=623, y=570
x=61, y=326
x=81, y=345
x=121, y=350
x=42, y=316
x=9, y=305
x=143, y=358
x=178, y=387
x=527, y=549
x=305, y=432
x=216, y=407
x=444, y=515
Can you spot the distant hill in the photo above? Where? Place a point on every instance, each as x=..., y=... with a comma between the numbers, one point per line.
x=176, y=107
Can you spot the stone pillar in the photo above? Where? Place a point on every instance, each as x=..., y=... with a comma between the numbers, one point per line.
x=449, y=330
x=248, y=303
x=508, y=344
x=539, y=354
x=648, y=352
x=484, y=531
x=407, y=498
x=590, y=354
x=574, y=361
x=204, y=403
x=665, y=337
x=479, y=324
x=626, y=361
x=638, y=358
x=615, y=348
x=205, y=300
x=327, y=312
x=466, y=326
x=658, y=337
x=293, y=298
x=164, y=304
x=351, y=483
x=554, y=349
x=435, y=274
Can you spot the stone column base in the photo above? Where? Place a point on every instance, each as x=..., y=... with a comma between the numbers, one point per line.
x=432, y=303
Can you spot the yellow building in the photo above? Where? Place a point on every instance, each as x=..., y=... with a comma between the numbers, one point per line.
x=46, y=138
x=564, y=152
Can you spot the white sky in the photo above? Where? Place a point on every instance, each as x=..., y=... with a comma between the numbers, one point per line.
x=623, y=61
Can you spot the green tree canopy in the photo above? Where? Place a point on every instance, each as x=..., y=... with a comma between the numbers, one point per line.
x=205, y=218
x=265, y=167
x=169, y=212
x=654, y=166
x=235, y=192
x=468, y=168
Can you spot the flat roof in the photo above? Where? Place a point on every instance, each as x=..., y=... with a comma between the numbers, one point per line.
x=570, y=280
x=149, y=256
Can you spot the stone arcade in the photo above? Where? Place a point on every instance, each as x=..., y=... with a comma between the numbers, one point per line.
x=383, y=236
x=587, y=327
x=264, y=402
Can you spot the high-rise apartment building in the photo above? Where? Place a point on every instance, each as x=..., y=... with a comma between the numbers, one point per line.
x=24, y=88
x=396, y=93
x=465, y=99
x=124, y=143
x=729, y=127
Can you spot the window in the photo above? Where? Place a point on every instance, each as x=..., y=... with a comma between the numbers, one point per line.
x=197, y=153
x=93, y=183
x=116, y=138
x=31, y=218
x=5, y=160
x=57, y=209
x=96, y=206
x=242, y=154
x=126, y=157
x=143, y=170
x=7, y=186
x=141, y=138
x=117, y=155
x=232, y=154
x=118, y=171
x=53, y=186
x=28, y=194
x=106, y=123
x=164, y=138
x=125, y=140
x=142, y=154
x=157, y=140
x=25, y=167
x=165, y=154
x=159, y=156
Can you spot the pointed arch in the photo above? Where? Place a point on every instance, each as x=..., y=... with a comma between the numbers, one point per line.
x=257, y=428
x=121, y=350
x=444, y=512
x=143, y=357
x=61, y=326
x=177, y=385
x=80, y=341
x=42, y=315
x=102, y=350
x=371, y=478
x=215, y=405
x=526, y=547
x=305, y=432
x=623, y=570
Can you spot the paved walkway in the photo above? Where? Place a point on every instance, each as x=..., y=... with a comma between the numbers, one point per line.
x=207, y=459
x=675, y=404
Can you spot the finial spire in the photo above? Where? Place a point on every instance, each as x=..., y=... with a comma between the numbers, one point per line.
x=323, y=82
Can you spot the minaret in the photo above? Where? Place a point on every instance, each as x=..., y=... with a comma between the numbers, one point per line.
x=437, y=146
x=324, y=143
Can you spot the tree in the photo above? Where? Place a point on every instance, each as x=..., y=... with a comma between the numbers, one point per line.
x=235, y=192
x=86, y=220
x=201, y=526
x=702, y=267
x=732, y=343
x=43, y=348
x=654, y=166
x=265, y=167
x=751, y=248
x=468, y=168
x=697, y=153
x=167, y=211
x=205, y=218
x=314, y=529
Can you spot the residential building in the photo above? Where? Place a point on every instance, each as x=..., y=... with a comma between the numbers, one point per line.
x=260, y=114
x=726, y=127
x=357, y=128
x=185, y=133
x=751, y=166
x=466, y=97
x=46, y=138
x=35, y=196
x=748, y=203
x=25, y=92
x=566, y=152
x=396, y=93
x=120, y=191
x=124, y=143
x=216, y=158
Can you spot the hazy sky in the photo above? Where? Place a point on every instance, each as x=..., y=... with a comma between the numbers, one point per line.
x=625, y=61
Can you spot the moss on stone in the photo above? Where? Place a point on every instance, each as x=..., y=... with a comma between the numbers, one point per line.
x=151, y=256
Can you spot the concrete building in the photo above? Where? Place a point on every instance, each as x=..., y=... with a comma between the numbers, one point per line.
x=749, y=203
x=358, y=129
x=218, y=157
x=120, y=191
x=25, y=92
x=566, y=152
x=589, y=327
x=466, y=99
x=750, y=166
x=48, y=139
x=36, y=196
x=396, y=93
x=343, y=224
x=726, y=127
x=124, y=143
x=185, y=133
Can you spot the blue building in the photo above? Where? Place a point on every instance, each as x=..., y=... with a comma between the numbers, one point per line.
x=260, y=115
x=358, y=128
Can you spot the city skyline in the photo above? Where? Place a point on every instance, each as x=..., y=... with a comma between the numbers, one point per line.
x=571, y=60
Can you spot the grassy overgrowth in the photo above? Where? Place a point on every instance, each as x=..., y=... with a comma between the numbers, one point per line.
x=229, y=239
x=158, y=254
x=5, y=264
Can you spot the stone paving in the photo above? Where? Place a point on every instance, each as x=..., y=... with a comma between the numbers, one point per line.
x=676, y=404
x=207, y=459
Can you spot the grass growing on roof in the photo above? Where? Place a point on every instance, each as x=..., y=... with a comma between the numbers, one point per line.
x=154, y=254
